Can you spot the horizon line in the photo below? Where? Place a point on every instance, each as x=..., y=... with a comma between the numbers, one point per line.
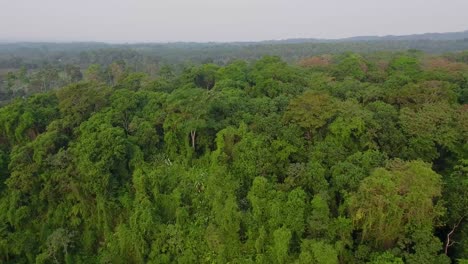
x=6, y=41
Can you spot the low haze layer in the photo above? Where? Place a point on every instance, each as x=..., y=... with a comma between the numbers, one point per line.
x=121, y=21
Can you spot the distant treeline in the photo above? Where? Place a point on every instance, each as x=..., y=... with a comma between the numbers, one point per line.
x=26, y=68
x=32, y=55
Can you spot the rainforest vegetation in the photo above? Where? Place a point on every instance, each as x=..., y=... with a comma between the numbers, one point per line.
x=338, y=158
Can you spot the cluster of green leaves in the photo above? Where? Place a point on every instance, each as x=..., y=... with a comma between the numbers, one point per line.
x=343, y=159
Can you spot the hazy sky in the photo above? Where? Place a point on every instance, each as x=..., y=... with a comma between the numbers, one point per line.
x=223, y=20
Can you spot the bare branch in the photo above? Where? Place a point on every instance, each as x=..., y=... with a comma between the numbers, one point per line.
x=450, y=242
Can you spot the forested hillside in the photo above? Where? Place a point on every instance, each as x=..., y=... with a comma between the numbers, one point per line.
x=342, y=158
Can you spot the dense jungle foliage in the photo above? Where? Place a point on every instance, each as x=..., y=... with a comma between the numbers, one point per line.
x=342, y=158
x=27, y=68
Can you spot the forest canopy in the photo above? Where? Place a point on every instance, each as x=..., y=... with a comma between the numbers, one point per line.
x=336, y=158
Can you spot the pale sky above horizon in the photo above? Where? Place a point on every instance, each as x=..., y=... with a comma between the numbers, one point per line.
x=122, y=21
